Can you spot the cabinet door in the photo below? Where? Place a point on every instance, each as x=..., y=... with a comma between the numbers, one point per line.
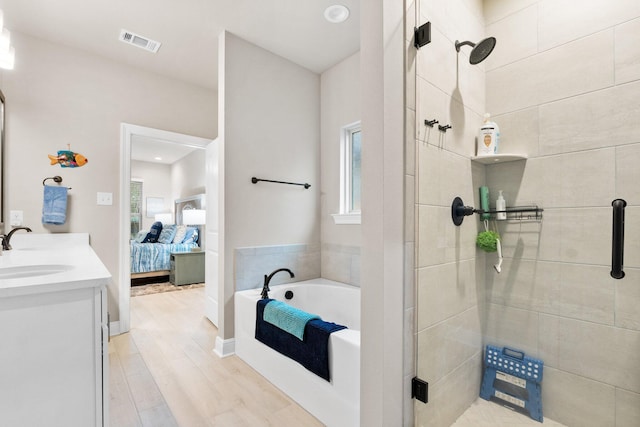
x=188, y=268
x=49, y=360
x=102, y=358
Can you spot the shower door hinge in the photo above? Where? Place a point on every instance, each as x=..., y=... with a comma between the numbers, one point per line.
x=419, y=390
x=422, y=35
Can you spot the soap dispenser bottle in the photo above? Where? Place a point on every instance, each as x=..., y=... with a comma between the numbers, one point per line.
x=501, y=207
x=489, y=137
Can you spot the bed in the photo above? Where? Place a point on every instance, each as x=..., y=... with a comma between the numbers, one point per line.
x=151, y=250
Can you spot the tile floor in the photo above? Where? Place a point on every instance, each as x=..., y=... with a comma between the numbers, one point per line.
x=483, y=413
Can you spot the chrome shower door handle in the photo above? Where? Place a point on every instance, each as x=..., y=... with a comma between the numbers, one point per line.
x=617, y=239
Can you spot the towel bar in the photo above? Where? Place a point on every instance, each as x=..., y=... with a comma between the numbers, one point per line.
x=56, y=178
x=256, y=180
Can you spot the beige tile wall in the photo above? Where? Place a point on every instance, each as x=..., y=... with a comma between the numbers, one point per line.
x=253, y=263
x=450, y=396
x=583, y=408
x=341, y=263
x=565, y=90
x=563, y=84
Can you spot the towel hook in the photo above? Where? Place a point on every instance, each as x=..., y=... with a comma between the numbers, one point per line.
x=56, y=178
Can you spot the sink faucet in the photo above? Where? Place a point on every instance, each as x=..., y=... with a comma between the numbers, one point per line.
x=6, y=238
x=267, y=279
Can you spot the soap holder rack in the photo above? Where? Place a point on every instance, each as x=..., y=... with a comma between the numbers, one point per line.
x=517, y=213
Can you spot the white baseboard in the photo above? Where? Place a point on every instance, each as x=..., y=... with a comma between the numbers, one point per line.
x=225, y=348
x=114, y=328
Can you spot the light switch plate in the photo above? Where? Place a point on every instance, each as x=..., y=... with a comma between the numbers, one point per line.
x=16, y=218
x=105, y=199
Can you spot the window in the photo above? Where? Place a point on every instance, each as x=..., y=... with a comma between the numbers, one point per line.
x=350, y=175
x=136, y=207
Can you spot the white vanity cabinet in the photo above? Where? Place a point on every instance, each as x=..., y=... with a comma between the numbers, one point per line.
x=53, y=343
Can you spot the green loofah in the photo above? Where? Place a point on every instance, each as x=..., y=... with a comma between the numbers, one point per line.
x=487, y=241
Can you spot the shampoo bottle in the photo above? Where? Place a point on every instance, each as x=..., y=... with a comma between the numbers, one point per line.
x=489, y=137
x=501, y=207
x=484, y=203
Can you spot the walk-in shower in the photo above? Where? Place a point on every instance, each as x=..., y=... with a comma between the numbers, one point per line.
x=480, y=50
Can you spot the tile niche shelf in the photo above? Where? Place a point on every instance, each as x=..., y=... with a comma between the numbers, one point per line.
x=498, y=158
x=519, y=213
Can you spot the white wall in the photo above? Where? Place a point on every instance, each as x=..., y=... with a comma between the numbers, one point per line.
x=188, y=175
x=269, y=128
x=340, y=106
x=184, y=178
x=156, y=182
x=57, y=96
x=382, y=78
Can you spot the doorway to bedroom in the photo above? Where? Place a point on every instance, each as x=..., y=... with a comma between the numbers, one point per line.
x=163, y=174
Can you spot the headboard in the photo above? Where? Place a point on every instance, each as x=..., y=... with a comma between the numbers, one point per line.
x=194, y=202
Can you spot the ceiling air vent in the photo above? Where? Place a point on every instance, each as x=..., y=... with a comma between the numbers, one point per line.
x=139, y=41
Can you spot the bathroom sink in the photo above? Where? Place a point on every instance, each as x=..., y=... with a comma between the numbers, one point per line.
x=22, y=271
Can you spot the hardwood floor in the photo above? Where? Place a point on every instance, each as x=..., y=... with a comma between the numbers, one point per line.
x=164, y=373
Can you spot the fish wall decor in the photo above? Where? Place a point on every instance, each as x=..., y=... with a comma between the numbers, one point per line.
x=68, y=159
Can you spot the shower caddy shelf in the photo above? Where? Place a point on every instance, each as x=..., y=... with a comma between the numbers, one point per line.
x=519, y=213
x=514, y=213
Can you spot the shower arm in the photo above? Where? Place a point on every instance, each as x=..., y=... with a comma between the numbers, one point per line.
x=464, y=43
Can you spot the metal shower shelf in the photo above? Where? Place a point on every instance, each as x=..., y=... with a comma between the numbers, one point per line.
x=519, y=213
x=516, y=213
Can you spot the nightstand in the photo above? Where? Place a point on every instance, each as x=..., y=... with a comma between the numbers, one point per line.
x=187, y=268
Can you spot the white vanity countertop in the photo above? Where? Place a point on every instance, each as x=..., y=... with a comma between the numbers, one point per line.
x=70, y=250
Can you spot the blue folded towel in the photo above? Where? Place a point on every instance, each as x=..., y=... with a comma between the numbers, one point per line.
x=54, y=207
x=287, y=318
x=312, y=352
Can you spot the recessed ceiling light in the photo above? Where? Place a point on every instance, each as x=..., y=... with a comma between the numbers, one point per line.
x=158, y=158
x=336, y=13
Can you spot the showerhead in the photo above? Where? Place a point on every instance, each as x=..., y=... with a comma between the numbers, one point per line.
x=480, y=51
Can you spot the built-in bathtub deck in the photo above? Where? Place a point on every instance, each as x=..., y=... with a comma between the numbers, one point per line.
x=335, y=403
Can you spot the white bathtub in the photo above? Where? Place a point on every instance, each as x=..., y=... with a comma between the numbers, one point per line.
x=335, y=403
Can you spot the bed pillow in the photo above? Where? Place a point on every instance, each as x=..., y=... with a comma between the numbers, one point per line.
x=140, y=236
x=154, y=233
x=181, y=230
x=167, y=234
x=191, y=236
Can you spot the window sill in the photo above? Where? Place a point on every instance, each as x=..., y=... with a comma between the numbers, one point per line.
x=347, y=218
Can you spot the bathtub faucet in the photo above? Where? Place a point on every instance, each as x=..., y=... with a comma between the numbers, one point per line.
x=267, y=279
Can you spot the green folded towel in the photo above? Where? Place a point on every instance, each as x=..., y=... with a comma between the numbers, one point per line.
x=287, y=318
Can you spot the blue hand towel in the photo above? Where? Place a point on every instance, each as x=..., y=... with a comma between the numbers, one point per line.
x=54, y=207
x=288, y=318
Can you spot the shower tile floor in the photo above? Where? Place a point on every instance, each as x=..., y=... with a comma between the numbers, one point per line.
x=483, y=413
